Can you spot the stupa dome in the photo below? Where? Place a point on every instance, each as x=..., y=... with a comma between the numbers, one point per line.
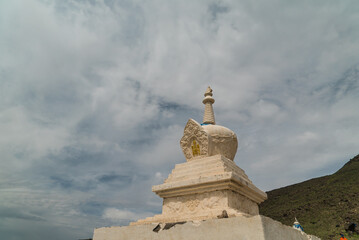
x=223, y=140
x=208, y=139
x=218, y=130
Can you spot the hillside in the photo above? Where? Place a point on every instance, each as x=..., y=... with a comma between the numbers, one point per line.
x=324, y=206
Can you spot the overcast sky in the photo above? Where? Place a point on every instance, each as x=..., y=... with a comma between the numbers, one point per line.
x=94, y=97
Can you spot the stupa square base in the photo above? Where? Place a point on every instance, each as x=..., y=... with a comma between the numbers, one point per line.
x=200, y=203
x=202, y=206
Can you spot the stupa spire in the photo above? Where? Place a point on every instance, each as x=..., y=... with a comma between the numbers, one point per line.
x=208, y=117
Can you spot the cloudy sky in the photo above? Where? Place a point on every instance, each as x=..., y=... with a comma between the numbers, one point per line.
x=94, y=97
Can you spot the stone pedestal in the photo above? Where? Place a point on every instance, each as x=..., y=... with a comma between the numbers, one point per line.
x=236, y=228
x=202, y=189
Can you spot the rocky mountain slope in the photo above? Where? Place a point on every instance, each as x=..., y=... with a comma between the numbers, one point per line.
x=324, y=206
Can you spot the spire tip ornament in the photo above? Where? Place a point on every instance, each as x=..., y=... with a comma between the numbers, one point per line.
x=208, y=92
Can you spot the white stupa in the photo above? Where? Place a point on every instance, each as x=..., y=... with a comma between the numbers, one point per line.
x=209, y=182
x=296, y=225
x=208, y=197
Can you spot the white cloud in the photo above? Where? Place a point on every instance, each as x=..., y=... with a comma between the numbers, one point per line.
x=118, y=215
x=94, y=96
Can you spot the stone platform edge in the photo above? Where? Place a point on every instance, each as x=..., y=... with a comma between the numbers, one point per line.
x=236, y=228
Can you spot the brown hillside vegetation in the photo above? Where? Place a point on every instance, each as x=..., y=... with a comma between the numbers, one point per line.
x=324, y=206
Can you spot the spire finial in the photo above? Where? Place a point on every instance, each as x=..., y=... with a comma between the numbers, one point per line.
x=208, y=117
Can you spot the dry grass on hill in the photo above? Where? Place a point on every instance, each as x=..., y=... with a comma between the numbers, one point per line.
x=324, y=206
